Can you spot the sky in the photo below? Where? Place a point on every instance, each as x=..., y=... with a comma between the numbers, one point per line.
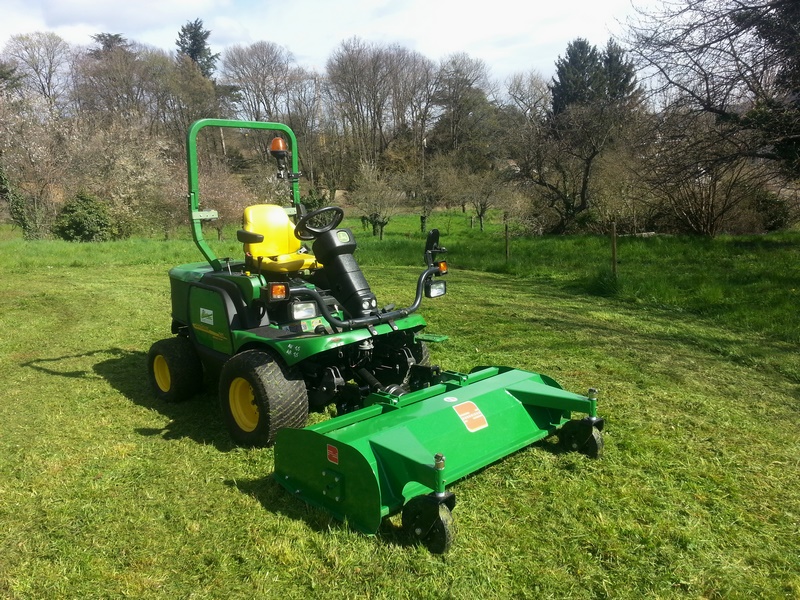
x=510, y=36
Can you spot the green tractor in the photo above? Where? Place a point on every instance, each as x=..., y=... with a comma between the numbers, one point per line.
x=289, y=328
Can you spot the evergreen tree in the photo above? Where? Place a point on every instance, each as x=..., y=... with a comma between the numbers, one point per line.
x=620, y=75
x=107, y=43
x=193, y=42
x=580, y=77
x=587, y=77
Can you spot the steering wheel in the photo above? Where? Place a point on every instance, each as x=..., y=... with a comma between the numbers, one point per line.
x=304, y=231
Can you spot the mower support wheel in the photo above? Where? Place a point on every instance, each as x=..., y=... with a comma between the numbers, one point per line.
x=259, y=395
x=430, y=523
x=174, y=369
x=583, y=437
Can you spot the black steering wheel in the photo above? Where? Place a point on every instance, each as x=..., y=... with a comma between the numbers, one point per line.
x=304, y=231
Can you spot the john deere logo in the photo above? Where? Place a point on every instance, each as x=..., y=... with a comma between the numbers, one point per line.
x=206, y=316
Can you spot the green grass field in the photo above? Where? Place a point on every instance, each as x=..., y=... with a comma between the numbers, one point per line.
x=106, y=493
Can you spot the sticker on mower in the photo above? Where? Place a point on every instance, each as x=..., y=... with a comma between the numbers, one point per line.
x=471, y=416
x=206, y=316
x=333, y=454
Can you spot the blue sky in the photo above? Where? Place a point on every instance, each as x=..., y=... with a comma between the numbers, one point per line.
x=509, y=35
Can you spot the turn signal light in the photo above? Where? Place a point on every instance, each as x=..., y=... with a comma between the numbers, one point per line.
x=277, y=291
x=442, y=264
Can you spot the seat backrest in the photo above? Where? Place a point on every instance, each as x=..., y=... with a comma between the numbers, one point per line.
x=271, y=221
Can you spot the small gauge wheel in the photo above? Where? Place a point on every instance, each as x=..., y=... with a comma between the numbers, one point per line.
x=577, y=436
x=430, y=523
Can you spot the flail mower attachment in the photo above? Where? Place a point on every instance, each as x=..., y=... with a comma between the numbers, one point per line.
x=401, y=452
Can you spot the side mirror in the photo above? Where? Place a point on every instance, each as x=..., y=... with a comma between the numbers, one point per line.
x=432, y=247
x=432, y=243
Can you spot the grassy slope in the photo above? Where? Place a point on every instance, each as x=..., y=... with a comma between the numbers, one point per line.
x=106, y=493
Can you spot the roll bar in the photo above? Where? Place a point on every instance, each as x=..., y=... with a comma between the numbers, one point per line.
x=197, y=216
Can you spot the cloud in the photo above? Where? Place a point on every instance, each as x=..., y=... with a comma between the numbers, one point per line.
x=509, y=35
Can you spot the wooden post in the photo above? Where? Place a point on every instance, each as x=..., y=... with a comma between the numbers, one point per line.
x=508, y=242
x=614, y=248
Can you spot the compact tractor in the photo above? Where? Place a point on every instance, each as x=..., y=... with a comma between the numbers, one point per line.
x=289, y=328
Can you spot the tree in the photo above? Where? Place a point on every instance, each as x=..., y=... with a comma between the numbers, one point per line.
x=579, y=78
x=691, y=169
x=107, y=43
x=358, y=83
x=738, y=60
x=192, y=96
x=482, y=191
x=9, y=79
x=466, y=123
x=121, y=81
x=376, y=198
x=260, y=72
x=593, y=95
x=192, y=42
x=42, y=61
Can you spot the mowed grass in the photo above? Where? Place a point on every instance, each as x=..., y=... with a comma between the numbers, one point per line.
x=105, y=492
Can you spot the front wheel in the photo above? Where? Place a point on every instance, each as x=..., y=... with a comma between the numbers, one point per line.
x=259, y=395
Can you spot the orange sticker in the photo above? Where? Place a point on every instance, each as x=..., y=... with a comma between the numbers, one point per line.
x=471, y=416
x=333, y=454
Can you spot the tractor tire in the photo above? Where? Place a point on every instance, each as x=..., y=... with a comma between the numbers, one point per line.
x=259, y=395
x=421, y=353
x=174, y=369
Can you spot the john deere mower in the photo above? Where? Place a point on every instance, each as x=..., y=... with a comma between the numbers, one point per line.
x=292, y=325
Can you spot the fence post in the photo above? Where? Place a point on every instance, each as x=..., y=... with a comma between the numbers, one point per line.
x=614, y=249
x=508, y=242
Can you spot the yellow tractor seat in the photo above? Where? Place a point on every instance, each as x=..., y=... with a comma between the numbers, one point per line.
x=280, y=249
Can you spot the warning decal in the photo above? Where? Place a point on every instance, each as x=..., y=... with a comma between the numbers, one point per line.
x=333, y=454
x=471, y=416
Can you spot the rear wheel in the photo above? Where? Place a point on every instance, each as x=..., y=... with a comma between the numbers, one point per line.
x=259, y=395
x=421, y=354
x=174, y=369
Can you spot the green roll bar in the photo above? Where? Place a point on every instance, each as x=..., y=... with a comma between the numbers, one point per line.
x=197, y=216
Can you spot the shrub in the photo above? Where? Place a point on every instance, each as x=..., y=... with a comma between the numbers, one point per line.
x=84, y=218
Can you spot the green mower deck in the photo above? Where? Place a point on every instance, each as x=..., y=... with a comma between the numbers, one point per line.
x=371, y=463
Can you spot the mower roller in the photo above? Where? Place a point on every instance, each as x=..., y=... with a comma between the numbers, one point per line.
x=287, y=329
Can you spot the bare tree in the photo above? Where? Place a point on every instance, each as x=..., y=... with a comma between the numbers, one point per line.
x=376, y=199
x=692, y=168
x=261, y=74
x=737, y=60
x=359, y=83
x=42, y=59
x=126, y=82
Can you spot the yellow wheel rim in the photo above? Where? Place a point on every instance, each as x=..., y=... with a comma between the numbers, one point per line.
x=243, y=404
x=161, y=373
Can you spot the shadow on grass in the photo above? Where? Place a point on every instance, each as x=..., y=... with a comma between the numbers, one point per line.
x=276, y=499
x=126, y=372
